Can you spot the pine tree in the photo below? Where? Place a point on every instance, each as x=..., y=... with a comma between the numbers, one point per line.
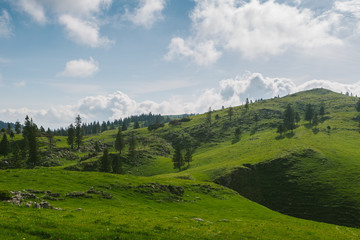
x=18, y=160
x=289, y=118
x=17, y=127
x=136, y=125
x=8, y=128
x=322, y=110
x=30, y=132
x=106, y=165
x=247, y=104
x=97, y=146
x=132, y=146
x=78, y=132
x=230, y=113
x=178, y=158
x=297, y=117
x=237, y=134
x=116, y=165
x=119, y=141
x=124, y=127
x=4, y=146
x=315, y=120
x=281, y=129
x=358, y=106
x=309, y=113
x=188, y=156
x=50, y=137
x=103, y=127
x=71, y=136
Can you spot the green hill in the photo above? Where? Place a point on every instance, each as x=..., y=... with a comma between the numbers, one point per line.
x=312, y=173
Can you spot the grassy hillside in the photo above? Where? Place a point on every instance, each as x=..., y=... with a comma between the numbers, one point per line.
x=145, y=208
x=312, y=173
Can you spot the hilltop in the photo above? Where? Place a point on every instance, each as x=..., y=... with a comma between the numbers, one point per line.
x=311, y=173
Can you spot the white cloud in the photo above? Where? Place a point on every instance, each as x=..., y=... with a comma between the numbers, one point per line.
x=230, y=92
x=147, y=13
x=5, y=28
x=80, y=18
x=84, y=32
x=80, y=68
x=352, y=6
x=254, y=29
x=34, y=9
x=20, y=84
x=203, y=53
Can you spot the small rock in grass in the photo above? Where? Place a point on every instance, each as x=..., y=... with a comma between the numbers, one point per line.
x=199, y=219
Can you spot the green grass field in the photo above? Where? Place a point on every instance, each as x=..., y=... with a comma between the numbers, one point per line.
x=313, y=173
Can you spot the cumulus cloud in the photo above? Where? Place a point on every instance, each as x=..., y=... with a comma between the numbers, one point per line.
x=230, y=92
x=80, y=18
x=84, y=32
x=80, y=68
x=147, y=13
x=5, y=27
x=254, y=29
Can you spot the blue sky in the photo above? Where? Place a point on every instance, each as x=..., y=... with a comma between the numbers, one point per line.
x=107, y=59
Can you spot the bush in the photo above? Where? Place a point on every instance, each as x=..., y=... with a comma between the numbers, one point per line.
x=185, y=119
x=5, y=195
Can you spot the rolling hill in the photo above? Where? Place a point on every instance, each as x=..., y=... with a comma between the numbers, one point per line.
x=311, y=173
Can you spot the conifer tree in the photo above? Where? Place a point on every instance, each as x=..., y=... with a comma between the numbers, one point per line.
x=78, y=132
x=358, y=106
x=71, y=136
x=230, y=113
x=309, y=113
x=50, y=137
x=281, y=129
x=322, y=110
x=178, y=158
x=297, y=117
x=119, y=141
x=116, y=165
x=136, y=125
x=247, y=104
x=315, y=120
x=106, y=165
x=188, y=155
x=132, y=146
x=124, y=127
x=17, y=127
x=30, y=132
x=4, y=146
x=289, y=118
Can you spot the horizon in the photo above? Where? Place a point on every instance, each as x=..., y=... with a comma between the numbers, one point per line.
x=113, y=59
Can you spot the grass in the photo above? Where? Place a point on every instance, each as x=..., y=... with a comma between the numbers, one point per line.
x=313, y=174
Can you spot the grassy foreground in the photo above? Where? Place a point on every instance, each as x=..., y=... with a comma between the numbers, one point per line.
x=139, y=210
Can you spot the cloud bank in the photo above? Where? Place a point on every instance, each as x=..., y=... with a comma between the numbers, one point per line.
x=5, y=24
x=80, y=68
x=230, y=92
x=254, y=29
x=147, y=13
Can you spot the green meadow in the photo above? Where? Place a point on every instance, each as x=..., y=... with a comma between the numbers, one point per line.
x=301, y=184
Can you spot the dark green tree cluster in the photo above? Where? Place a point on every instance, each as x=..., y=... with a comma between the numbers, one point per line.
x=290, y=118
x=179, y=160
x=30, y=133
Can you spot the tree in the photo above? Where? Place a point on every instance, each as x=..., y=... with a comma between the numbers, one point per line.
x=281, y=129
x=119, y=141
x=97, y=146
x=230, y=112
x=17, y=127
x=358, y=106
x=132, y=146
x=8, y=128
x=297, y=117
x=30, y=133
x=322, y=110
x=78, y=133
x=18, y=161
x=188, y=155
x=4, y=146
x=136, y=125
x=124, y=127
x=237, y=134
x=71, y=136
x=309, y=113
x=116, y=165
x=178, y=158
x=12, y=135
x=256, y=118
x=50, y=137
x=315, y=120
x=106, y=165
x=289, y=118
x=208, y=118
x=103, y=127
x=247, y=104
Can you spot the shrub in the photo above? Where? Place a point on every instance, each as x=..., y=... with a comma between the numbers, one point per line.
x=5, y=195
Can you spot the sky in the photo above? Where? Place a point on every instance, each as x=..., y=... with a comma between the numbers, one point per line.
x=109, y=59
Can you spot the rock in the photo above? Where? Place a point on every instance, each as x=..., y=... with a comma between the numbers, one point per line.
x=79, y=209
x=199, y=219
x=224, y=220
